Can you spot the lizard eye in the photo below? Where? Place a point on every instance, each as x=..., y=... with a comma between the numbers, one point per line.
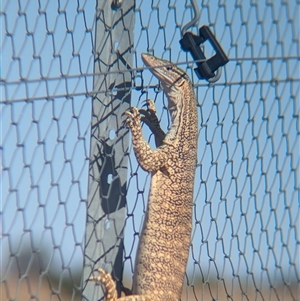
x=169, y=67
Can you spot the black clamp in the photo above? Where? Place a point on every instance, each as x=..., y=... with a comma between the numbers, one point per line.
x=206, y=67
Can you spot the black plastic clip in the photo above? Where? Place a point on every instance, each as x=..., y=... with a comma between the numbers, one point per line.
x=206, y=67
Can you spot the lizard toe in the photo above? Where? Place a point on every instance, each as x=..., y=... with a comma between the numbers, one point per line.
x=149, y=103
x=133, y=113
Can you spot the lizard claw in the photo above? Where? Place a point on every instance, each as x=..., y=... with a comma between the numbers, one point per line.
x=130, y=110
x=133, y=117
x=132, y=113
x=99, y=278
x=150, y=105
x=150, y=113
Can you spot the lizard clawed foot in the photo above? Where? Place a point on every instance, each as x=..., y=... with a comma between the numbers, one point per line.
x=109, y=284
x=134, y=117
x=150, y=118
x=99, y=278
x=149, y=115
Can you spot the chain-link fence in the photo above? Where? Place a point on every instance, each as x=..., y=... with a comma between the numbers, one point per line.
x=62, y=60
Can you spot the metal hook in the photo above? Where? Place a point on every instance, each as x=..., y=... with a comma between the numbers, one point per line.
x=194, y=20
x=191, y=42
x=216, y=77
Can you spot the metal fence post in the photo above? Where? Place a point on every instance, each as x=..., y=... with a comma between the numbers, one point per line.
x=109, y=142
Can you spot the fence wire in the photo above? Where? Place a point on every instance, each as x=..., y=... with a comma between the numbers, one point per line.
x=245, y=240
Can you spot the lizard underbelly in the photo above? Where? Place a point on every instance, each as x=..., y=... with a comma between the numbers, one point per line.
x=165, y=240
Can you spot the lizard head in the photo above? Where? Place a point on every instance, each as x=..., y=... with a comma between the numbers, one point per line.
x=170, y=76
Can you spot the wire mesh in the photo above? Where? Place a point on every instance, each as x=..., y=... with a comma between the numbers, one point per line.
x=245, y=240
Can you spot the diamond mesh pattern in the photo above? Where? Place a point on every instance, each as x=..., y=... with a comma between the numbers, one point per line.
x=245, y=241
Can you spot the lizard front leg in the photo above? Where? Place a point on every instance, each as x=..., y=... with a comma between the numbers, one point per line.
x=150, y=118
x=150, y=160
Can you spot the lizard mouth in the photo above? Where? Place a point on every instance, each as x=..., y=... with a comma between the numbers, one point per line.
x=159, y=68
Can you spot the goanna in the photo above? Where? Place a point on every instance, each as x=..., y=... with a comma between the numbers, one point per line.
x=165, y=239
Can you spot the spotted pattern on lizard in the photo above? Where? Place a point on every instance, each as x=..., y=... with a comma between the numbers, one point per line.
x=165, y=239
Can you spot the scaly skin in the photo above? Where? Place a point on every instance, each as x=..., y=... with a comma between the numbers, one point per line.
x=165, y=239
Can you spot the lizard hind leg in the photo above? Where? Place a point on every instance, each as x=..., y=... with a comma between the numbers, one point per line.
x=110, y=287
x=109, y=284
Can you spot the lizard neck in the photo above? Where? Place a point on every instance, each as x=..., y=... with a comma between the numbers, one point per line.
x=179, y=103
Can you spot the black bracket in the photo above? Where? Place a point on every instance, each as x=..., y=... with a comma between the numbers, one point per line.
x=206, y=67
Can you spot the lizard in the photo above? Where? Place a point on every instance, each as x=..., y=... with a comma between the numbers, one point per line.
x=164, y=243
